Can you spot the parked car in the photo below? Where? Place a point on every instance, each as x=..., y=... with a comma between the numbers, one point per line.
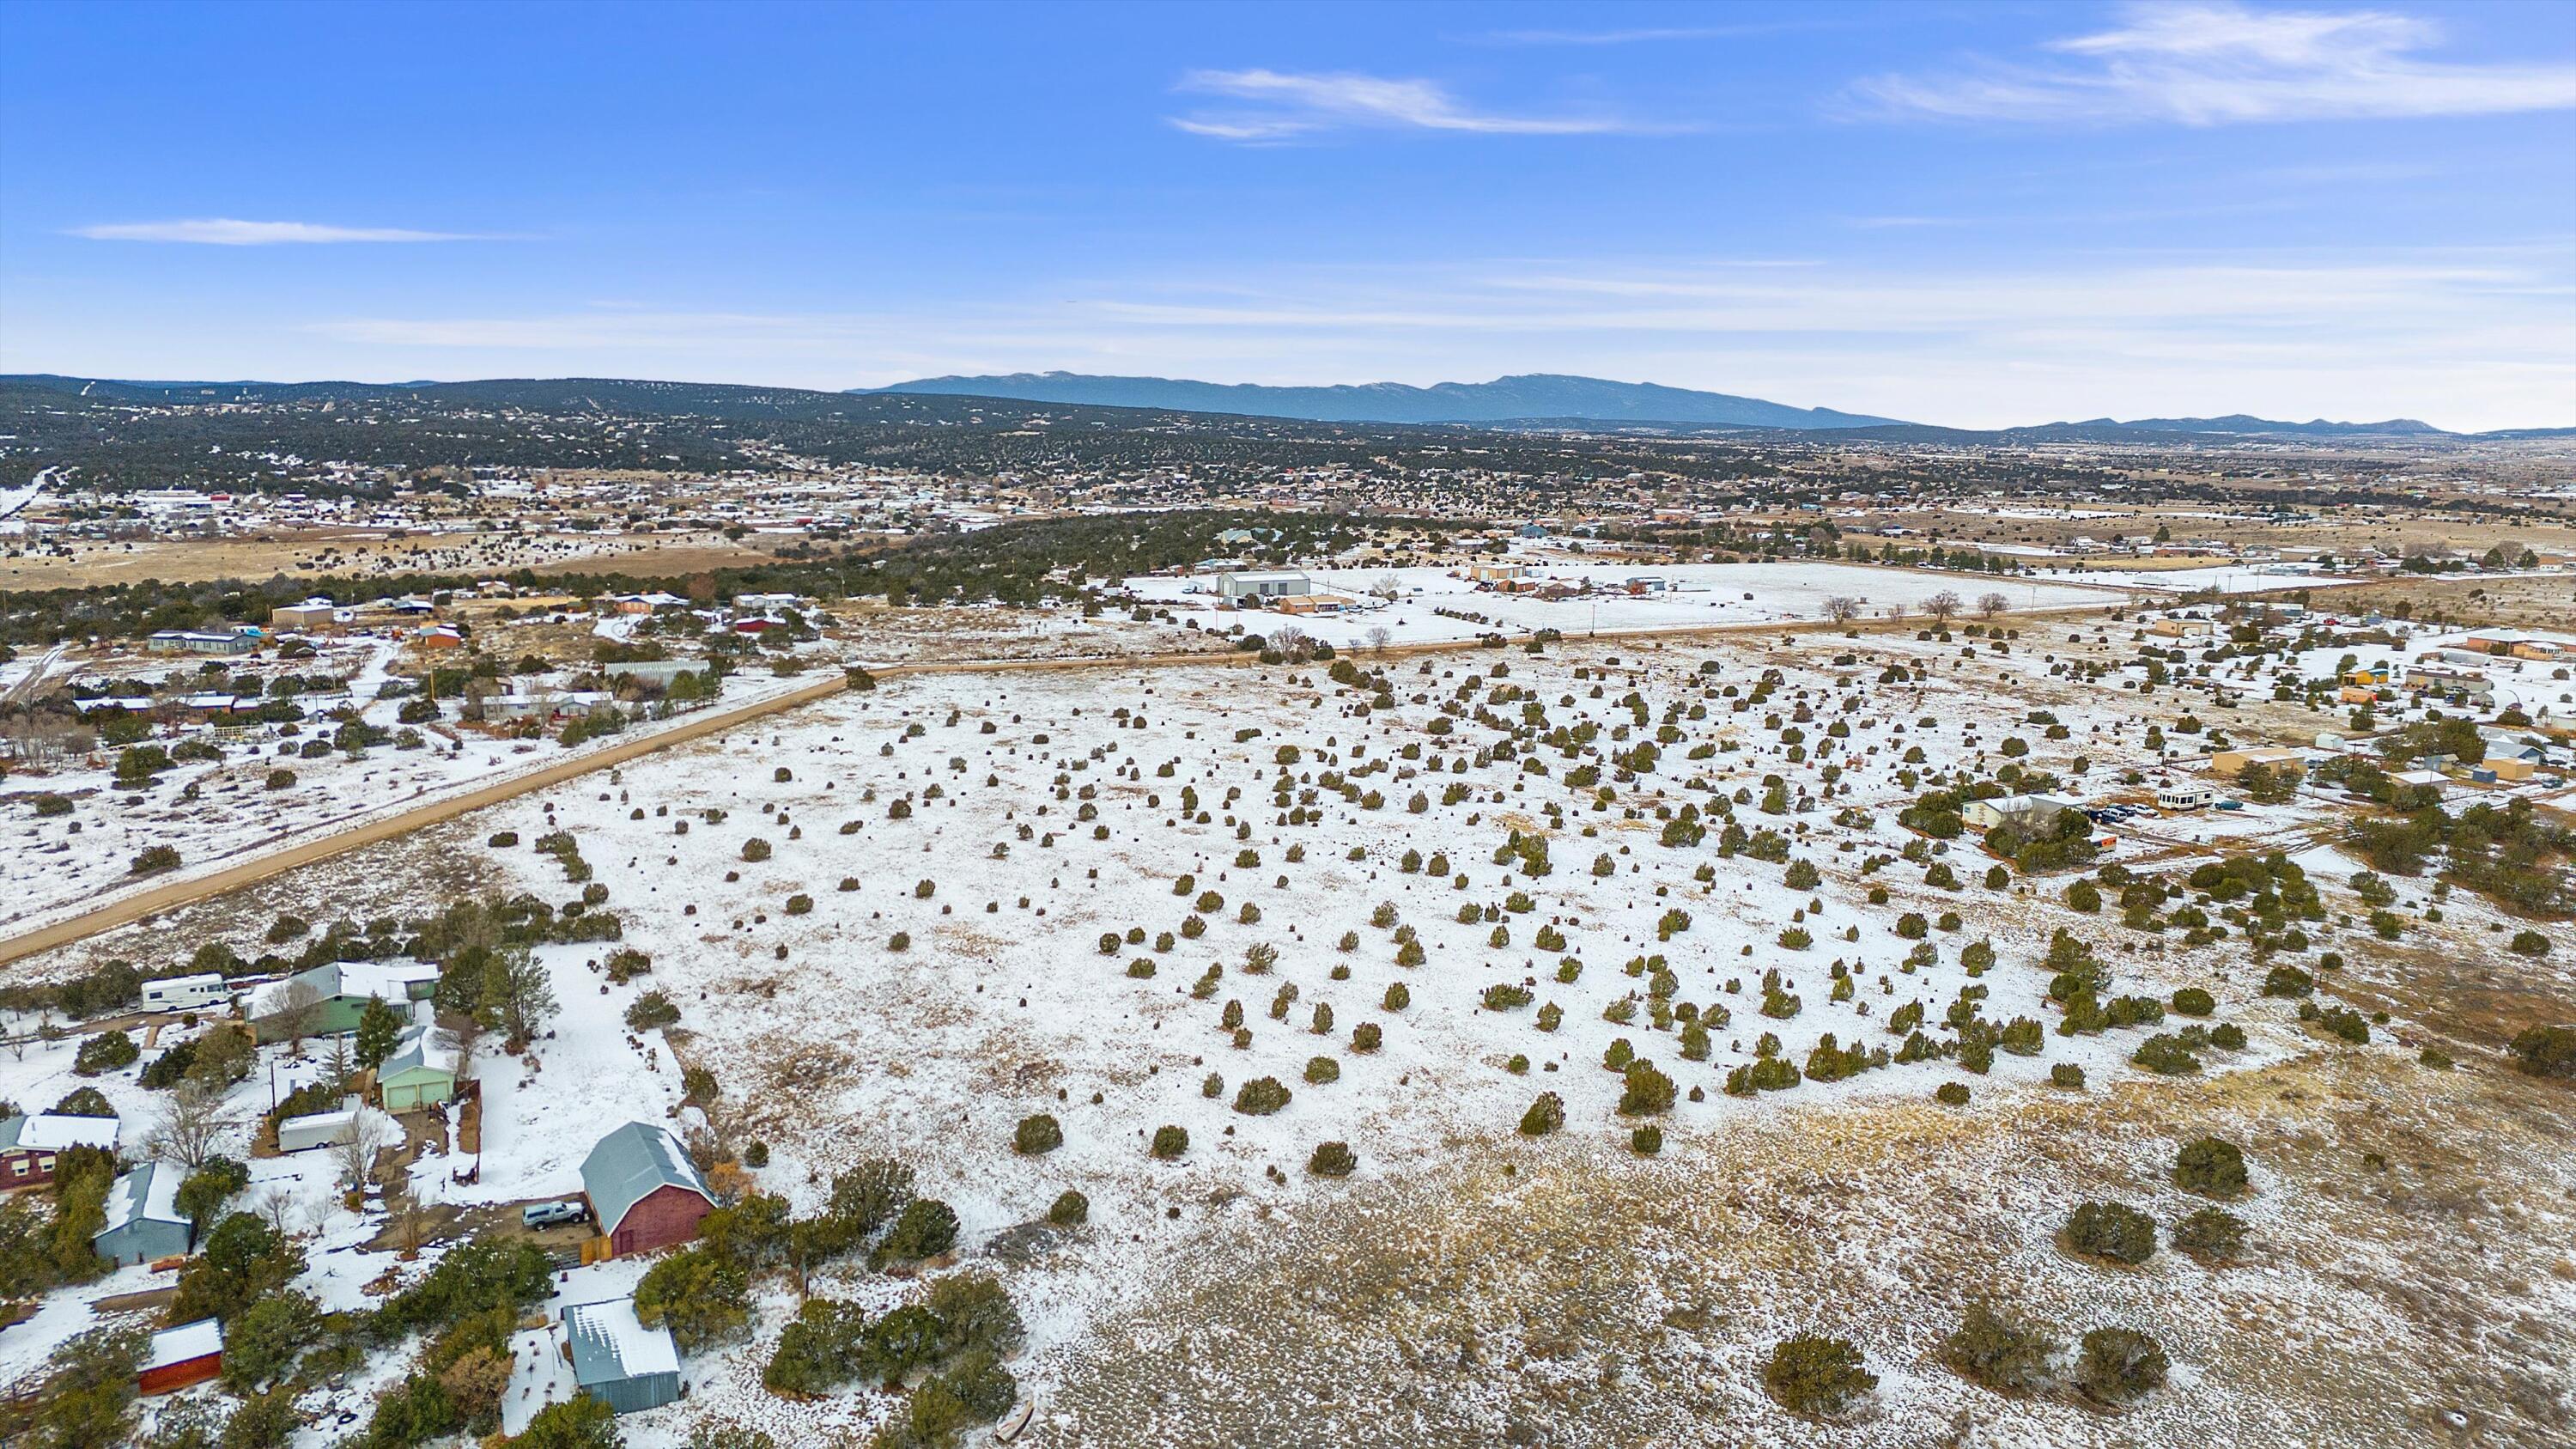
x=553, y=1214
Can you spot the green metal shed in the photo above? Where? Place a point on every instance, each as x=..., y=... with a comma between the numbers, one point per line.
x=617, y=1360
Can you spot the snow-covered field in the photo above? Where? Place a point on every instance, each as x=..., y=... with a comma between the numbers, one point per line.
x=1046, y=844
x=61, y=864
x=831, y=1046
x=1429, y=605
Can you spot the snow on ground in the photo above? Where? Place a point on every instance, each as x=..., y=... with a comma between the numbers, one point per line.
x=56, y=865
x=830, y=1046
x=1431, y=605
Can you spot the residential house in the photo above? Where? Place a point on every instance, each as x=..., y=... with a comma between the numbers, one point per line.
x=2438, y=680
x=2368, y=676
x=2228, y=764
x=144, y=1223
x=617, y=1360
x=188, y=1354
x=645, y=1193
x=199, y=641
x=342, y=990
x=29, y=1146
x=655, y=671
x=2180, y=628
x=439, y=637
x=2030, y=814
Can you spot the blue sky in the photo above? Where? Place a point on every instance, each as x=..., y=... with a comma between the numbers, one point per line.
x=1969, y=214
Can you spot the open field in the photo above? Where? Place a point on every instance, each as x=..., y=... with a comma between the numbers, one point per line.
x=85, y=564
x=1467, y=1284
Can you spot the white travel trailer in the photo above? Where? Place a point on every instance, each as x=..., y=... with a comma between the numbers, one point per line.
x=186, y=993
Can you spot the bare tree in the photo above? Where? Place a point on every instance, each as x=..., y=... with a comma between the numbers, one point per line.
x=1380, y=636
x=1989, y=605
x=1896, y=611
x=275, y=1206
x=192, y=1125
x=353, y=1159
x=1943, y=606
x=299, y=1005
x=1292, y=644
x=1842, y=608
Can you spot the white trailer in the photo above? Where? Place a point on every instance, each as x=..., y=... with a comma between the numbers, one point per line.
x=320, y=1129
x=186, y=993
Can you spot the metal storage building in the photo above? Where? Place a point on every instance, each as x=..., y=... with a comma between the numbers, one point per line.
x=617, y=1360
x=644, y=1192
x=143, y=1217
x=1264, y=584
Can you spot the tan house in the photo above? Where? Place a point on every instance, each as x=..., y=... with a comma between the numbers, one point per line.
x=2228, y=764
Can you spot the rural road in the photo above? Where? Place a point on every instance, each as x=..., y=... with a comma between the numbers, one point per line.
x=261, y=866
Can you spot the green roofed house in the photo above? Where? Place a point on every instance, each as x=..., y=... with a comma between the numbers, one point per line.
x=617, y=1360
x=330, y=998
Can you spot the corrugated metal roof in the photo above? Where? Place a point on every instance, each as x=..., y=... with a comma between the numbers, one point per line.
x=629, y=1164
x=609, y=1343
x=187, y=1341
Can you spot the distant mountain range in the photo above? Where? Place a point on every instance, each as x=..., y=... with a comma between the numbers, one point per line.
x=1532, y=401
x=1505, y=399
x=2241, y=423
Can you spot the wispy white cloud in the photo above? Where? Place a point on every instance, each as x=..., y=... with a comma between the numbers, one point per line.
x=226, y=232
x=1282, y=105
x=2214, y=64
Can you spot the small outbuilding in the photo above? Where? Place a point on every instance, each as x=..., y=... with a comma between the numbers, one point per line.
x=644, y=1192
x=143, y=1218
x=619, y=1361
x=188, y=1354
x=422, y=1070
x=320, y=1129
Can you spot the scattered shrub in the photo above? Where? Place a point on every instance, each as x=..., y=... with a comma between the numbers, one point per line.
x=1333, y=1159
x=1544, y=1116
x=1038, y=1134
x=2119, y=1365
x=1996, y=1347
x=1816, y=1376
x=2111, y=1230
x=2210, y=1167
x=2211, y=1234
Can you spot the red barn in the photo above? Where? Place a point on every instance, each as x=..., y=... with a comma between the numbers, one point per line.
x=189, y=1354
x=644, y=1192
